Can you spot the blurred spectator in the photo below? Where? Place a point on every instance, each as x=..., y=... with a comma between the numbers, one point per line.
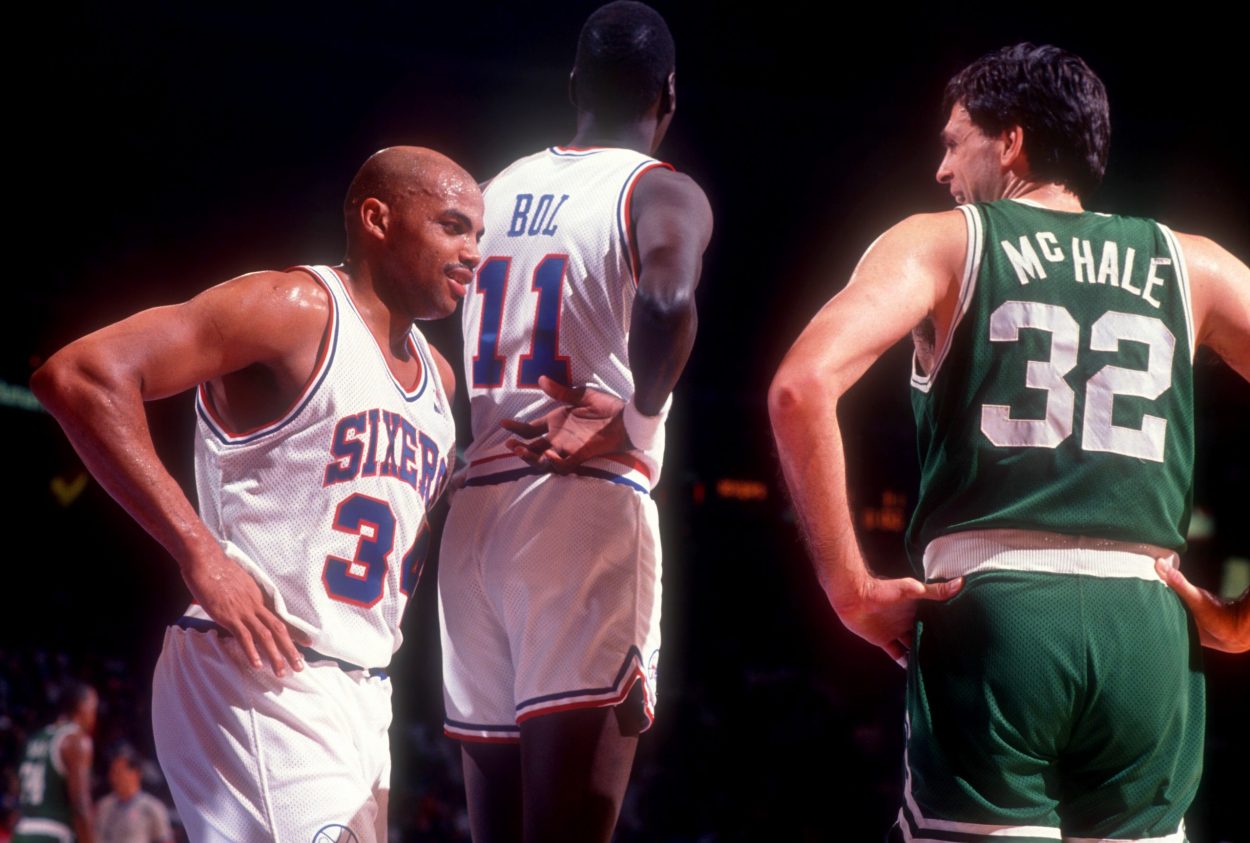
x=127, y=814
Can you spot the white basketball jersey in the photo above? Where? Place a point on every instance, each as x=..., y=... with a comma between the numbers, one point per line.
x=326, y=506
x=553, y=296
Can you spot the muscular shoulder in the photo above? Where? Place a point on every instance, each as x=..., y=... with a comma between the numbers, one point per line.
x=276, y=310
x=1220, y=290
x=666, y=192
x=75, y=748
x=940, y=238
x=289, y=295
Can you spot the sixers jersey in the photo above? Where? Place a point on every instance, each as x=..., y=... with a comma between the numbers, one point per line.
x=1063, y=399
x=326, y=506
x=553, y=296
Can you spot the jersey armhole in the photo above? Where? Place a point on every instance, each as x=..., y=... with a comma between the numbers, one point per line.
x=624, y=213
x=1182, y=279
x=967, y=288
x=208, y=411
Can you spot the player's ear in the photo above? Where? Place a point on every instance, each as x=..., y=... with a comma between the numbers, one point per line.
x=668, y=94
x=375, y=218
x=1012, y=154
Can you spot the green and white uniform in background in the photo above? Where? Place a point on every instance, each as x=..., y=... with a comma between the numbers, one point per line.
x=1060, y=692
x=44, y=790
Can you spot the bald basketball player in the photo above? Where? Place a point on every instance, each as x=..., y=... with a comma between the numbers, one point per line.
x=324, y=435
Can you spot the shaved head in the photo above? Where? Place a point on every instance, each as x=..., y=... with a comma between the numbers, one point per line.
x=401, y=173
x=413, y=219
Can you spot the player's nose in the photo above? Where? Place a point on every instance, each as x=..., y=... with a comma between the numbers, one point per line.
x=470, y=255
x=944, y=172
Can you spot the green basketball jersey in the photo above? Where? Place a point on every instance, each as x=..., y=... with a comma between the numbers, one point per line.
x=1062, y=400
x=44, y=792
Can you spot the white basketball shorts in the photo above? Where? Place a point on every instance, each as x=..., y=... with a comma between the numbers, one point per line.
x=549, y=600
x=253, y=758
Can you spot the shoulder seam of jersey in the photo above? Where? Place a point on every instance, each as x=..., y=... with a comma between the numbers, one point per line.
x=967, y=288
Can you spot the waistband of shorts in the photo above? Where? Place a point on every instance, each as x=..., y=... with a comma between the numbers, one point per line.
x=622, y=469
x=310, y=655
x=973, y=551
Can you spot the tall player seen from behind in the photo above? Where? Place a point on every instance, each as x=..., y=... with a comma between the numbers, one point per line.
x=324, y=434
x=550, y=585
x=1055, y=693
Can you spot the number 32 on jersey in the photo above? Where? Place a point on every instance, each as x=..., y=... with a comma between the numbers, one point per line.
x=544, y=356
x=1098, y=433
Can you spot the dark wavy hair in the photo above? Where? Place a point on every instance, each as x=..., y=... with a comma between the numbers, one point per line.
x=1054, y=96
x=624, y=56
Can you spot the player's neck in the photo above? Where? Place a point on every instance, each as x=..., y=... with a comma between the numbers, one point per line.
x=1051, y=195
x=388, y=325
x=638, y=135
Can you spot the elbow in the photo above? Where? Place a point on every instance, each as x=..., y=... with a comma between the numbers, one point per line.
x=65, y=380
x=52, y=382
x=668, y=320
x=796, y=397
x=669, y=308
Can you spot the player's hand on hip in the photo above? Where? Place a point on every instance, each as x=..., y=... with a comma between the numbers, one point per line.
x=234, y=601
x=883, y=612
x=588, y=425
x=1222, y=624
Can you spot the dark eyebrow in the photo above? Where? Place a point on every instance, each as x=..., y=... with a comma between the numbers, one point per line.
x=458, y=217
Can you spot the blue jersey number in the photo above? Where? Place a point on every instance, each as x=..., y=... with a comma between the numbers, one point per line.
x=362, y=579
x=544, y=356
x=492, y=279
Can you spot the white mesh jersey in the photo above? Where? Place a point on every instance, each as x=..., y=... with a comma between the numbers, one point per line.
x=553, y=296
x=326, y=506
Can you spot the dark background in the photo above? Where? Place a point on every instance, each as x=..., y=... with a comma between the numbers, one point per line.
x=155, y=151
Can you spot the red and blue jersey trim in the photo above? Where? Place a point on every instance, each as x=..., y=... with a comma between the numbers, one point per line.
x=427, y=366
x=481, y=733
x=623, y=469
x=631, y=672
x=624, y=217
x=218, y=426
x=576, y=151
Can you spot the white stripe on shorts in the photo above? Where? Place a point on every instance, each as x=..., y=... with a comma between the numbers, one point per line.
x=959, y=554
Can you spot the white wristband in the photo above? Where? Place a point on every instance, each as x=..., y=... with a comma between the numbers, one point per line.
x=645, y=431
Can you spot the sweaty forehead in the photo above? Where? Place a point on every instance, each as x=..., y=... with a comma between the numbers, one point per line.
x=447, y=184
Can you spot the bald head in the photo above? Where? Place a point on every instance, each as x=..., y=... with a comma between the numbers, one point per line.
x=401, y=173
x=413, y=218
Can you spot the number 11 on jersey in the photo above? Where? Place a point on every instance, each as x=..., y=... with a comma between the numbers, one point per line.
x=544, y=356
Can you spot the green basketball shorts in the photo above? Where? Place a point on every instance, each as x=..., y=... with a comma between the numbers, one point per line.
x=1048, y=706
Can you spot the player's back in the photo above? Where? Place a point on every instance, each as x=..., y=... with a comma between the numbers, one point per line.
x=553, y=294
x=1063, y=400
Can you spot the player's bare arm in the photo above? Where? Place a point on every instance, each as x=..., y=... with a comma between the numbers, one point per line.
x=1220, y=286
x=251, y=337
x=672, y=228
x=76, y=755
x=908, y=276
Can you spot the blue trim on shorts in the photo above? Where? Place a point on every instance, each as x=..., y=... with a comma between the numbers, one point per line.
x=528, y=471
x=478, y=727
x=311, y=655
x=630, y=655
